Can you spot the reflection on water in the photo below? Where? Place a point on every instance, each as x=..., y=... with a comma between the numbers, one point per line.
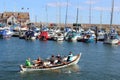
x=69, y=69
x=59, y=74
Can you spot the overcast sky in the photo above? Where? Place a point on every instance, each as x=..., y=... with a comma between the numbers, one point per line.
x=54, y=11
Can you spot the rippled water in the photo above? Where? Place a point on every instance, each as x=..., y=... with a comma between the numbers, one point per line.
x=98, y=61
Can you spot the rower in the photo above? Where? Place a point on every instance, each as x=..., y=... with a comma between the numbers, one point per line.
x=52, y=59
x=27, y=62
x=39, y=62
x=69, y=58
x=59, y=59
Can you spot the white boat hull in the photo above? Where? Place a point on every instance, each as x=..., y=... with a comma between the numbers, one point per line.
x=111, y=41
x=60, y=38
x=33, y=38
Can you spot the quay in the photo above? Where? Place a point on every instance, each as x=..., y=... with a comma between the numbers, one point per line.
x=85, y=26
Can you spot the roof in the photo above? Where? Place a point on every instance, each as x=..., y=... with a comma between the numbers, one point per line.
x=19, y=15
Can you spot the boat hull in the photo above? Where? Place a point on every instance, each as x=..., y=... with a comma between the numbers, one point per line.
x=113, y=41
x=88, y=40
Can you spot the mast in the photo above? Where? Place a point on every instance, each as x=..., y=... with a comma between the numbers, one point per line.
x=59, y=14
x=90, y=13
x=101, y=18
x=77, y=16
x=46, y=8
x=66, y=14
x=35, y=18
x=112, y=10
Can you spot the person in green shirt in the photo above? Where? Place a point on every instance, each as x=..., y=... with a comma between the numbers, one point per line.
x=27, y=62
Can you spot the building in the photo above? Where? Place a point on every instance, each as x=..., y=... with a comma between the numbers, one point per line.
x=10, y=18
x=0, y=17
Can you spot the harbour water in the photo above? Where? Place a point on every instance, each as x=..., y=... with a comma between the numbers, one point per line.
x=98, y=61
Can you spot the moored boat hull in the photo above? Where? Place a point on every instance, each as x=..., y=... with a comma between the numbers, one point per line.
x=109, y=41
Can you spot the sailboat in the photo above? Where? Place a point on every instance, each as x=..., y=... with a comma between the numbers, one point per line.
x=100, y=32
x=89, y=35
x=74, y=35
x=112, y=36
x=59, y=36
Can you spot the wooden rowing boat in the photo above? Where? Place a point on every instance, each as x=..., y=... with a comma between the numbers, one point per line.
x=47, y=66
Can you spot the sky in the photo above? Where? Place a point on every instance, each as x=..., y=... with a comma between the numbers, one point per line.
x=54, y=11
